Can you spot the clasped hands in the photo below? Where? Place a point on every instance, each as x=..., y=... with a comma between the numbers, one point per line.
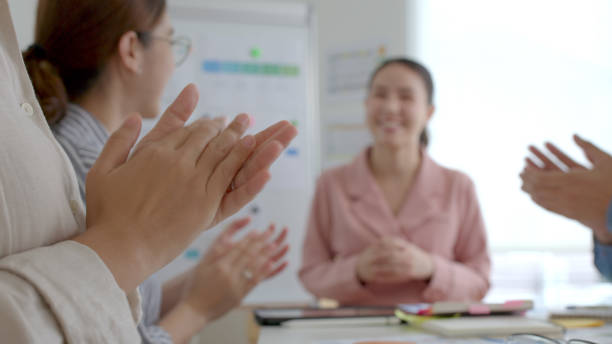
x=394, y=260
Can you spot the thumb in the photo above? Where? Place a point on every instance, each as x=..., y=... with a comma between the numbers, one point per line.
x=118, y=146
x=592, y=152
x=175, y=116
x=235, y=227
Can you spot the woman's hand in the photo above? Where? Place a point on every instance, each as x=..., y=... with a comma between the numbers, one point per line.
x=146, y=209
x=394, y=260
x=230, y=270
x=571, y=189
x=226, y=274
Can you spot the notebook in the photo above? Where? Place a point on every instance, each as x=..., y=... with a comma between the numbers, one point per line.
x=496, y=326
x=466, y=308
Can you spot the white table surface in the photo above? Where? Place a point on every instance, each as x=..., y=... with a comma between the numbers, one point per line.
x=308, y=335
x=305, y=334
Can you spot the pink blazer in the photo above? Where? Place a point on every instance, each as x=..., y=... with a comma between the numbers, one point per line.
x=440, y=214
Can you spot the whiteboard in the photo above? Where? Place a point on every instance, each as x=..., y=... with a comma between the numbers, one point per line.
x=258, y=59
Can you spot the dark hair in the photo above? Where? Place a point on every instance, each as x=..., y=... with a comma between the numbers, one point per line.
x=74, y=39
x=422, y=71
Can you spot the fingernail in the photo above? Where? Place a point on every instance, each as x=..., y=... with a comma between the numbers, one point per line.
x=251, y=120
x=131, y=122
x=243, y=120
x=248, y=141
x=221, y=119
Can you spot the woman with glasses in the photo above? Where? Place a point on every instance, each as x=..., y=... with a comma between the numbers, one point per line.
x=93, y=64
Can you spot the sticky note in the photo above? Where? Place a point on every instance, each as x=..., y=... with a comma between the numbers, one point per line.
x=479, y=309
x=579, y=323
x=514, y=303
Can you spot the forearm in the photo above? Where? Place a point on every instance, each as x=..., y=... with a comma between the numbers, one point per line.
x=173, y=291
x=182, y=323
x=94, y=309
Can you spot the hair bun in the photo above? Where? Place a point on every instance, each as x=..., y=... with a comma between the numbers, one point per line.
x=37, y=51
x=48, y=85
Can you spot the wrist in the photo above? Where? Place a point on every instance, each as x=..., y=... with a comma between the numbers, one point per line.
x=183, y=322
x=430, y=267
x=360, y=280
x=603, y=236
x=359, y=276
x=126, y=260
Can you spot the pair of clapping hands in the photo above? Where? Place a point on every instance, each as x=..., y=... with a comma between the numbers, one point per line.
x=570, y=189
x=144, y=209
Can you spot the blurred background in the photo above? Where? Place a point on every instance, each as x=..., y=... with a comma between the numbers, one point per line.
x=507, y=74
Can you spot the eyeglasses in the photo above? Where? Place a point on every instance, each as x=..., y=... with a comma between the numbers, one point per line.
x=528, y=338
x=181, y=45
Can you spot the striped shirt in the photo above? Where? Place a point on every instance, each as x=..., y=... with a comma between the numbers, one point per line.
x=83, y=137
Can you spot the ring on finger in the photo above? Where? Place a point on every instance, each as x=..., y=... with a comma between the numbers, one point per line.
x=247, y=274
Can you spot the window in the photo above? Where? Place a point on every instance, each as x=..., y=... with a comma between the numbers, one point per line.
x=509, y=74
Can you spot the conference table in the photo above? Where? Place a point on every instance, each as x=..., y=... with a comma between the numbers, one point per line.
x=320, y=333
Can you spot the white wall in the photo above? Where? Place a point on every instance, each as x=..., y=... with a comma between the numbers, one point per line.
x=23, y=13
x=346, y=24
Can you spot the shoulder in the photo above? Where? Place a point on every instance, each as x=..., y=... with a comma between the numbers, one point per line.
x=342, y=176
x=453, y=179
x=73, y=131
x=81, y=137
x=334, y=175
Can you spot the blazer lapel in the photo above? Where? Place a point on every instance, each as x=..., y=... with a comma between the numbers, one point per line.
x=367, y=202
x=423, y=201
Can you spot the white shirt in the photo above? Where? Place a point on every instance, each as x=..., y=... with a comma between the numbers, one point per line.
x=52, y=290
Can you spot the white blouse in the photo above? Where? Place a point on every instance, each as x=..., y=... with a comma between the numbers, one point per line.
x=52, y=290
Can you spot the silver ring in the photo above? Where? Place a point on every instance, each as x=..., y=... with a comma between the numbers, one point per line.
x=247, y=274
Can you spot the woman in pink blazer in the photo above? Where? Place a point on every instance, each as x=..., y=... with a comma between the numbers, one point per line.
x=393, y=226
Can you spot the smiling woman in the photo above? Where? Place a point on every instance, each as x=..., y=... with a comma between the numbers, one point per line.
x=393, y=226
x=418, y=71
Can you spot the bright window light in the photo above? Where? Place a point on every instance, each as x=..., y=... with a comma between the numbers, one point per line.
x=510, y=74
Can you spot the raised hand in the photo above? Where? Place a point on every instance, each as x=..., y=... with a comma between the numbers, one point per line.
x=145, y=209
x=228, y=272
x=573, y=190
